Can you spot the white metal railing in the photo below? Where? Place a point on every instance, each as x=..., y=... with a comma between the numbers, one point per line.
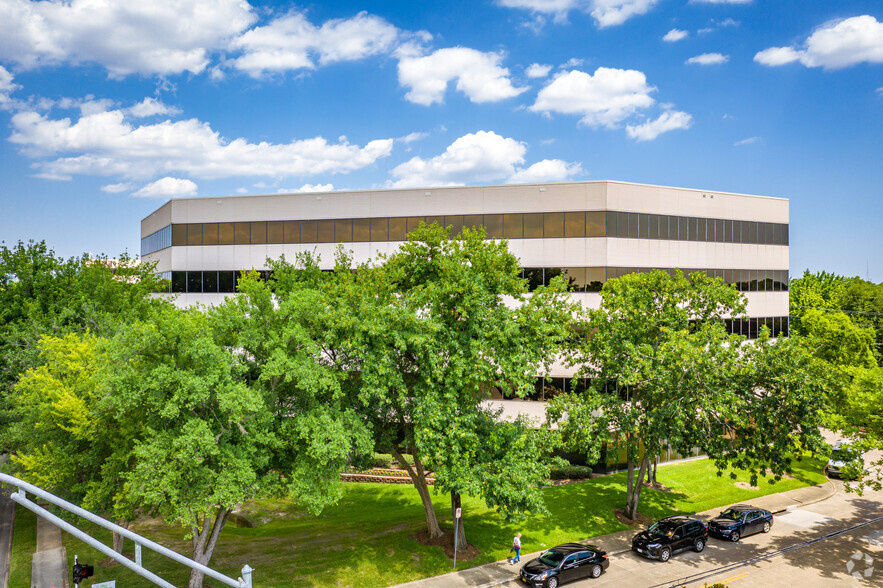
x=21, y=498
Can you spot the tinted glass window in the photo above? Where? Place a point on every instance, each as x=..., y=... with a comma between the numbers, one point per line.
x=361, y=230
x=493, y=224
x=611, y=223
x=513, y=226
x=622, y=224
x=398, y=229
x=325, y=231
x=412, y=223
x=179, y=281
x=533, y=226
x=343, y=230
x=595, y=277
x=274, y=232
x=652, y=226
x=210, y=234
x=553, y=225
x=259, y=232
x=226, y=282
x=291, y=232
x=574, y=224
x=242, y=233
x=226, y=234
x=570, y=559
x=596, y=223
x=576, y=279
x=179, y=235
x=456, y=224
x=472, y=221
x=439, y=220
x=209, y=281
x=380, y=229
x=634, y=225
x=194, y=281
x=752, y=232
x=644, y=226
x=309, y=231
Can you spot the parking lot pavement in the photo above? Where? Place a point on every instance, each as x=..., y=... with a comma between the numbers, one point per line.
x=803, y=549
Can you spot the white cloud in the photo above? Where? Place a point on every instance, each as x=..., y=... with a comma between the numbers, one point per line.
x=7, y=86
x=167, y=187
x=720, y=1
x=411, y=137
x=603, y=99
x=116, y=188
x=606, y=13
x=308, y=188
x=777, y=56
x=708, y=59
x=478, y=157
x=572, y=62
x=675, y=35
x=107, y=143
x=156, y=37
x=547, y=170
x=292, y=42
x=151, y=107
x=479, y=76
x=880, y=90
x=667, y=121
x=834, y=45
x=747, y=141
x=536, y=70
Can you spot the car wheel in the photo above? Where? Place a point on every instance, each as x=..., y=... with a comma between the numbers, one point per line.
x=699, y=545
x=552, y=582
x=766, y=527
x=596, y=571
x=664, y=554
x=735, y=536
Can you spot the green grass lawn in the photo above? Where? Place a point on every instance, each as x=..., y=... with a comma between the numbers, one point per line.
x=366, y=539
x=24, y=541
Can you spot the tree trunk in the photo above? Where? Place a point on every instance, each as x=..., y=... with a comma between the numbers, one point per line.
x=633, y=493
x=460, y=540
x=204, y=542
x=118, y=539
x=418, y=477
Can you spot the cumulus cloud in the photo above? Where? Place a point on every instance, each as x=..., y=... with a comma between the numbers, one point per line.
x=480, y=157
x=603, y=99
x=151, y=107
x=307, y=188
x=667, y=121
x=708, y=59
x=167, y=187
x=675, y=35
x=157, y=37
x=547, y=170
x=834, y=45
x=606, y=13
x=116, y=188
x=292, y=42
x=536, y=70
x=7, y=86
x=720, y=1
x=108, y=143
x=747, y=141
x=479, y=75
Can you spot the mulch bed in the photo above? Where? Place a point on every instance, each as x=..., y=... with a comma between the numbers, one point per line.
x=446, y=542
x=640, y=520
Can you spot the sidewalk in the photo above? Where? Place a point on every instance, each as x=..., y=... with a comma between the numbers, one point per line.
x=502, y=573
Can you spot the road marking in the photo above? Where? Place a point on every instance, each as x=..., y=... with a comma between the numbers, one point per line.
x=875, y=538
x=803, y=519
x=733, y=578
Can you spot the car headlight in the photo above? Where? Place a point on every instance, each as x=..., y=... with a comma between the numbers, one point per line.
x=544, y=575
x=654, y=545
x=725, y=531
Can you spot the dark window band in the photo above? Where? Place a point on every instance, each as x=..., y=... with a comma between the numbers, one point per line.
x=540, y=225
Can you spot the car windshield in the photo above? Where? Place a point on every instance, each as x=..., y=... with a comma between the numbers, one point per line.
x=552, y=557
x=663, y=529
x=733, y=515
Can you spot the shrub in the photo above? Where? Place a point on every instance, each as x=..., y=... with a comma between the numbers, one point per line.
x=570, y=472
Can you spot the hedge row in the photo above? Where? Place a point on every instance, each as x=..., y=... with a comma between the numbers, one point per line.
x=570, y=472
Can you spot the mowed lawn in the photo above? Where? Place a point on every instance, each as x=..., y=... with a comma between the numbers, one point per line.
x=367, y=538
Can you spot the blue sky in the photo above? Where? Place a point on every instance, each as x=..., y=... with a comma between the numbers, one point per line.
x=108, y=108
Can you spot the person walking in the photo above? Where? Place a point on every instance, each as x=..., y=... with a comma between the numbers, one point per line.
x=516, y=545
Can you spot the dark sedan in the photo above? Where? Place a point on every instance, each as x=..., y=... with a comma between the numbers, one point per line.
x=740, y=521
x=671, y=535
x=565, y=563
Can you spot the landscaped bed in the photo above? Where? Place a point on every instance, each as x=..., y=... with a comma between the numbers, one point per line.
x=367, y=539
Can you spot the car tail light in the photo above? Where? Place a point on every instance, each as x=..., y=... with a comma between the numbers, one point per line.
x=604, y=556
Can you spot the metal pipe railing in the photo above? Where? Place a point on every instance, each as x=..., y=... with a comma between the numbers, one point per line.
x=20, y=497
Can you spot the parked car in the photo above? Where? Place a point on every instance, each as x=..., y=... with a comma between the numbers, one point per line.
x=843, y=455
x=669, y=536
x=565, y=563
x=740, y=521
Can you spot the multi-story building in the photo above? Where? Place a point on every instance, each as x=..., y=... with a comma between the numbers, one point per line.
x=589, y=231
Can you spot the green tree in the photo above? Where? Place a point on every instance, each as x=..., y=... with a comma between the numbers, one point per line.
x=41, y=294
x=665, y=371
x=427, y=334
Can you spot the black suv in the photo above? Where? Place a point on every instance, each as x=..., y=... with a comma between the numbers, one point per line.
x=671, y=535
x=564, y=563
x=739, y=521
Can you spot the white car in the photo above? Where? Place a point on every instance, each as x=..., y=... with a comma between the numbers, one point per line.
x=841, y=456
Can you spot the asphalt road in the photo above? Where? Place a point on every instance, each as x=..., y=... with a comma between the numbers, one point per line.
x=780, y=558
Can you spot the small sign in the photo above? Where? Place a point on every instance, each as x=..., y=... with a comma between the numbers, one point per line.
x=111, y=584
x=458, y=513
